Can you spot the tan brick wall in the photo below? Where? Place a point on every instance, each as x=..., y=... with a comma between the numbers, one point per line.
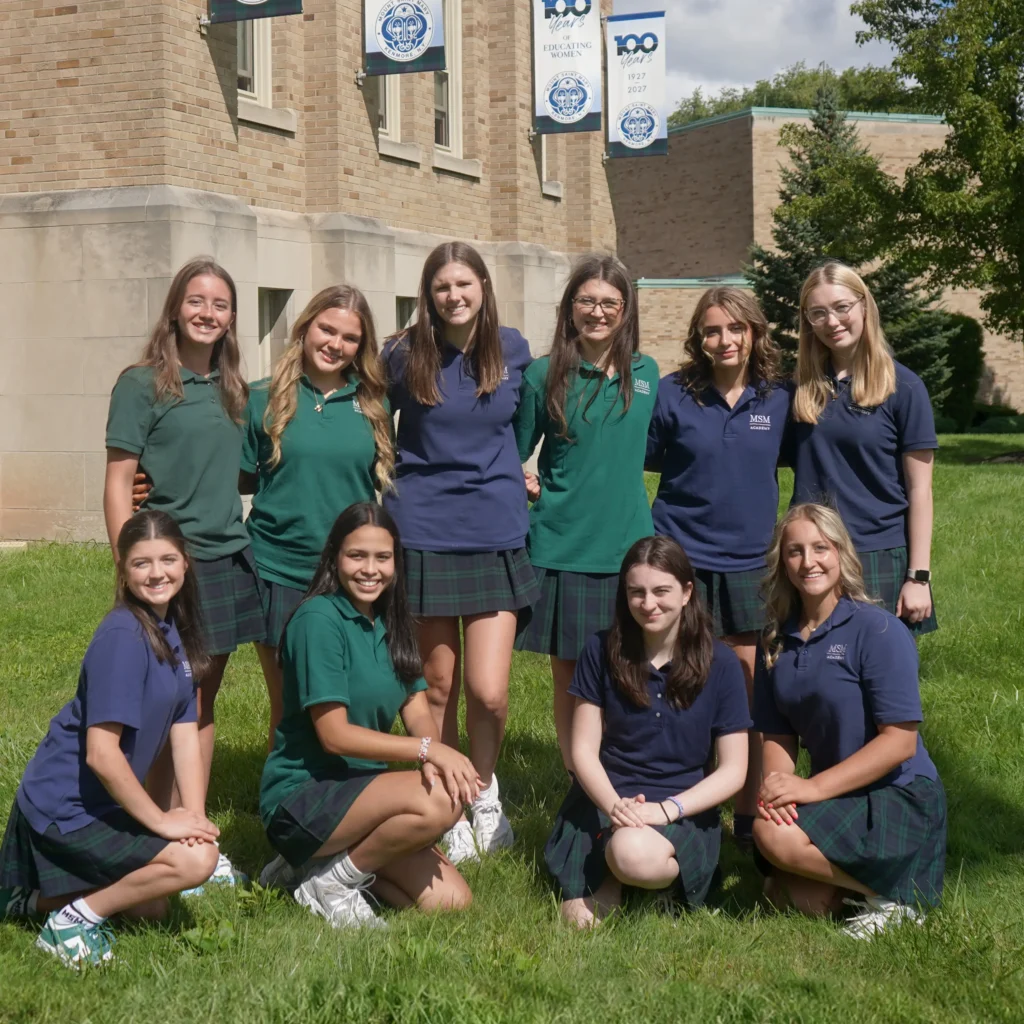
x=664, y=316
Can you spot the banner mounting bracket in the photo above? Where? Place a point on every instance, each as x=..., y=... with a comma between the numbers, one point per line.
x=202, y=23
x=360, y=78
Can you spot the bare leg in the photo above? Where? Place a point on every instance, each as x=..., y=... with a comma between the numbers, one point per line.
x=815, y=899
x=744, y=645
x=561, y=677
x=441, y=650
x=642, y=857
x=206, y=693
x=592, y=910
x=275, y=684
x=426, y=879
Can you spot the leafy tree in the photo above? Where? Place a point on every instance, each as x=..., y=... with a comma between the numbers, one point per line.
x=963, y=205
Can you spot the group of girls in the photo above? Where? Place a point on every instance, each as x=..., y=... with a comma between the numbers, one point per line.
x=660, y=646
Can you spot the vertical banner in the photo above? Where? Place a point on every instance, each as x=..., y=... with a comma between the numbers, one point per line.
x=637, y=117
x=250, y=10
x=403, y=35
x=566, y=66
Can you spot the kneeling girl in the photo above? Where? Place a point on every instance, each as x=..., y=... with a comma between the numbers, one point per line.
x=658, y=699
x=335, y=815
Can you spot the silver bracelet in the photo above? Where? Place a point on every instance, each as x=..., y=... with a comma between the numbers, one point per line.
x=424, y=747
x=682, y=813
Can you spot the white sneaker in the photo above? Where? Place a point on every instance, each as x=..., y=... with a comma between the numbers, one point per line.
x=460, y=843
x=279, y=874
x=342, y=904
x=490, y=826
x=878, y=915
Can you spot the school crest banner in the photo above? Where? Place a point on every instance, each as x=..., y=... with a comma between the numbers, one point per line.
x=249, y=10
x=403, y=35
x=567, y=66
x=637, y=114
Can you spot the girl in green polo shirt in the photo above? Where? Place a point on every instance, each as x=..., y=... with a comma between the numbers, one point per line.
x=317, y=439
x=340, y=821
x=177, y=415
x=589, y=404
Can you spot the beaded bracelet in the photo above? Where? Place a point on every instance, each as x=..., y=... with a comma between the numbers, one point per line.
x=682, y=813
x=424, y=747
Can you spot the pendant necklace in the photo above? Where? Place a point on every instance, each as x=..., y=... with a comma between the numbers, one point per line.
x=323, y=396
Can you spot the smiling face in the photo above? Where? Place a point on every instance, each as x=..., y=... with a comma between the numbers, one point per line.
x=724, y=339
x=366, y=566
x=154, y=571
x=458, y=294
x=811, y=560
x=597, y=310
x=205, y=313
x=656, y=599
x=843, y=325
x=331, y=342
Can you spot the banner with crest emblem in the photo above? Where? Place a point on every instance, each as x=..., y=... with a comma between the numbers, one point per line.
x=250, y=10
x=403, y=35
x=637, y=114
x=567, y=66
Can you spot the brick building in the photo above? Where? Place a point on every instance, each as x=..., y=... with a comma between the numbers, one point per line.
x=695, y=215
x=132, y=138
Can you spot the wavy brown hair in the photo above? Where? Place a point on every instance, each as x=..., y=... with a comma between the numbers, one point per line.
x=566, y=353
x=424, y=338
x=161, y=351
x=782, y=599
x=370, y=390
x=764, y=362
x=694, y=649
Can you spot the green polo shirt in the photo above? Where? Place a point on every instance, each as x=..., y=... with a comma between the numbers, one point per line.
x=330, y=654
x=326, y=465
x=593, y=504
x=190, y=449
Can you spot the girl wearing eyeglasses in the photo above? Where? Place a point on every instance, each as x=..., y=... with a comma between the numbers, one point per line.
x=588, y=404
x=862, y=438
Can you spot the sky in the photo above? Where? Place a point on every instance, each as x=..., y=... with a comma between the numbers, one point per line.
x=718, y=43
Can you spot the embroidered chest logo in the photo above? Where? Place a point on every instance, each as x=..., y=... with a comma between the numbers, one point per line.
x=642, y=387
x=355, y=406
x=187, y=667
x=504, y=373
x=836, y=652
x=758, y=422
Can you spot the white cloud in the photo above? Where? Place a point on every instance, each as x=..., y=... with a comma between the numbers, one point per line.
x=719, y=43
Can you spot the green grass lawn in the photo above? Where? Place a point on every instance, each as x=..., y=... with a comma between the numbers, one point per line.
x=256, y=956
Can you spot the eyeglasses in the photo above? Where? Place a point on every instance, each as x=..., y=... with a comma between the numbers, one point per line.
x=818, y=316
x=589, y=305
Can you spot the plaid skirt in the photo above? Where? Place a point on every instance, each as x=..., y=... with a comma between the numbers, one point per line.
x=468, y=582
x=280, y=602
x=884, y=575
x=733, y=599
x=306, y=819
x=574, y=853
x=231, y=597
x=572, y=606
x=91, y=857
x=892, y=839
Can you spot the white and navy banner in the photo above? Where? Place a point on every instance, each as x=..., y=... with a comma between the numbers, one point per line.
x=403, y=35
x=567, y=66
x=250, y=10
x=637, y=114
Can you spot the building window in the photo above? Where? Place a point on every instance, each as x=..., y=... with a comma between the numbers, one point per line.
x=405, y=311
x=448, y=84
x=389, y=107
x=442, y=135
x=246, y=72
x=254, y=81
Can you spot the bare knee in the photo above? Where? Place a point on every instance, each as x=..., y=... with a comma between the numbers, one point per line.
x=438, y=813
x=635, y=855
x=193, y=864
x=490, y=699
x=454, y=895
x=777, y=842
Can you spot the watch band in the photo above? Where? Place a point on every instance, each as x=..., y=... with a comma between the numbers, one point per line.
x=919, y=575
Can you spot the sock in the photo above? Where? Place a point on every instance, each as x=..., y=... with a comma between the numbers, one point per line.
x=347, y=871
x=32, y=903
x=743, y=826
x=488, y=795
x=79, y=912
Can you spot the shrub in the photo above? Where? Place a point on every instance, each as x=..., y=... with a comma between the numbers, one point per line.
x=965, y=359
x=946, y=425
x=1002, y=425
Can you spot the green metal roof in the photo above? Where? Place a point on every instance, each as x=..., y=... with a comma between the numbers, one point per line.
x=853, y=115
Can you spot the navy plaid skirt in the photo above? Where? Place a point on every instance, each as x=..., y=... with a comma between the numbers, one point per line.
x=468, y=582
x=231, y=596
x=884, y=575
x=280, y=602
x=571, y=607
x=306, y=819
x=892, y=839
x=91, y=857
x=733, y=599
x=574, y=853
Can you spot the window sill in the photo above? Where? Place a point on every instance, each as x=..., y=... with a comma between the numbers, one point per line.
x=280, y=119
x=405, y=151
x=457, y=165
x=551, y=189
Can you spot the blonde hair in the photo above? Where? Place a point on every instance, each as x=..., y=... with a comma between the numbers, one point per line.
x=782, y=599
x=873, y=377
x=370, y=391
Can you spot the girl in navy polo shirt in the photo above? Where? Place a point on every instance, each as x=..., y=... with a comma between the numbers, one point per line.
x=863, y=440
x=84, y=840
x=715, y=437
x=839, y=676
x=658, y=700
x=460, y=505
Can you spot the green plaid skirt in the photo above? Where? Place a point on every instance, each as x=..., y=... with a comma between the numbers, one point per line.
x=280, y=602
x=468, y=582
x=91, y=857
x=574, y=853
x=892, y=839
x=733, y=599
x=884, y=575
x=231, y=597
x=306, y=819
x=571, y=607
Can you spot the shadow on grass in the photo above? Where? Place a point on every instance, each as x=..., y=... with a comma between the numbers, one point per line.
x=967, y=450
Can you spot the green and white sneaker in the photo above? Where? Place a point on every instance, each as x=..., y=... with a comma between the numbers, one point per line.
x=223, y=874
x=14, y=902
x=76, y=945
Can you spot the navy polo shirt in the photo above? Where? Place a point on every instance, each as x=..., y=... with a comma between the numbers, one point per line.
x=660, y=750
x=858, y=670
x=459, y=482
x=852, y=458
x=719, y=491
x=121, y=681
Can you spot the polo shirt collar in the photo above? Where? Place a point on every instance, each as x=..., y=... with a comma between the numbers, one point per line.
x=841, y=614
x=345, y=389
x=189, y=376
x=343, y=603
x=716, y=396
x=837, y=382
x=591, y=370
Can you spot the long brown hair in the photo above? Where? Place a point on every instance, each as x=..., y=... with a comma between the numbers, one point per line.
x=691, y=660
x=765, y=360
x=370, y=391
x=565, y=347
x=161, y=351
x=873, y=378
x=424, y=338
x=183, y=609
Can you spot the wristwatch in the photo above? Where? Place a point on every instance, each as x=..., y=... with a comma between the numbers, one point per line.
x=919, y=575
